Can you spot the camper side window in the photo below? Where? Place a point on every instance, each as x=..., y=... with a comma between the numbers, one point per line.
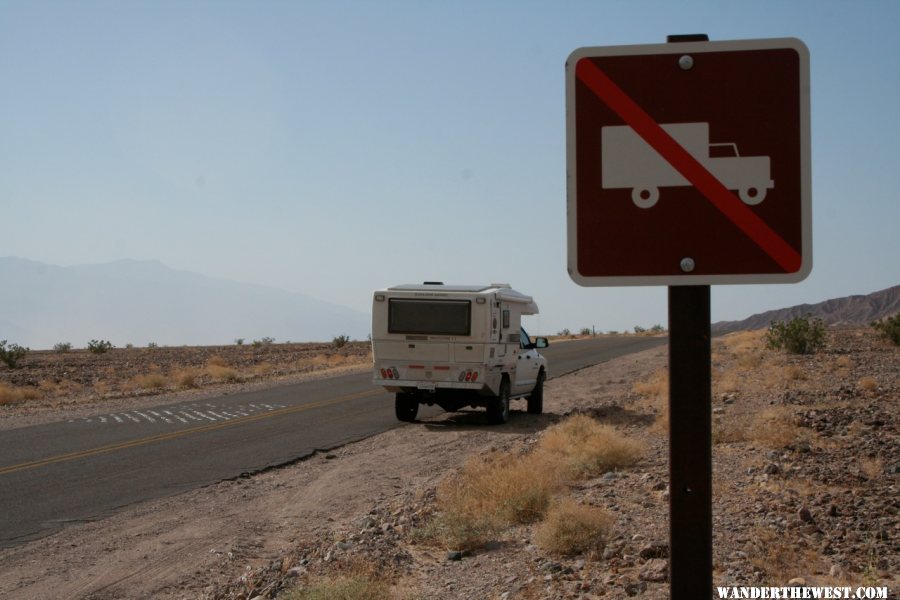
x=505, y=319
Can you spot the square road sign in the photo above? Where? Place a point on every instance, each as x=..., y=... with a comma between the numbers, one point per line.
x=689, y=163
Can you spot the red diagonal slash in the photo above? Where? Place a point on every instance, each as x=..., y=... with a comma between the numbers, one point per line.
x=691, y=169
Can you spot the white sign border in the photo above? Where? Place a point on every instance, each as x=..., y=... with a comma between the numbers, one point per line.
x=805, y=163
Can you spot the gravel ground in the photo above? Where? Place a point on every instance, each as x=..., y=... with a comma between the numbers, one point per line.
x=806, y=476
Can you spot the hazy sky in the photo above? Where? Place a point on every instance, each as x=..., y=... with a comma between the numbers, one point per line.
x=333, y=148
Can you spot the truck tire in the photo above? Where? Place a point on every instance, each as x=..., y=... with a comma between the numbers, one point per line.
x=498, y=407
x=406, y=407
x=536, y=399
x=752, y=195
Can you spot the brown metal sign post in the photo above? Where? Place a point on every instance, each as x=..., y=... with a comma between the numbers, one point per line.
x=688, y=165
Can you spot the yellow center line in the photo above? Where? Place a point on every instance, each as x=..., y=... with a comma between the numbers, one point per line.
x=183, y=432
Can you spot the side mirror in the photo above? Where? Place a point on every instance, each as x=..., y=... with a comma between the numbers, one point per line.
x=541, y=342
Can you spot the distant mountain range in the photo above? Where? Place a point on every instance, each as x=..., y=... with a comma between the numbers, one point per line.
x=851, y=310
x=138, y=302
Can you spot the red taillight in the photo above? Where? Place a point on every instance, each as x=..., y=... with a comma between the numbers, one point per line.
x=474, y=376
x=384, y=374
x=468, y=376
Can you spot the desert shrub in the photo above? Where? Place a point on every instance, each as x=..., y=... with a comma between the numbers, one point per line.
x=12, y=354
x=571, y=528
x=583, y=447
x=266, y=341
x=564, y=333
x=239, y=341
x=152, y=345
x=585, y=331
x=99, y=346
x=889, y=328
x=340, y=341
x=657, y=328
x=801, y=335
x=353, y=587
x=62, y=347
x=638, y=329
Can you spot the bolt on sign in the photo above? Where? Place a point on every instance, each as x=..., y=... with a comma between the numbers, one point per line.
x=689, y=163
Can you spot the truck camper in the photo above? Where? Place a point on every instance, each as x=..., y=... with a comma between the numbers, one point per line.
x=456, y=346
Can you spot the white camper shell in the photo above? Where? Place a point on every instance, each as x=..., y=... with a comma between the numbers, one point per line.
x=456, y=346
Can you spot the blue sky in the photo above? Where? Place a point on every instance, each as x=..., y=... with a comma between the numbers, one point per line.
x=333, y=148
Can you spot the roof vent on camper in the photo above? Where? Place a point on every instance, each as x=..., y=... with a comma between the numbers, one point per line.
x=432, y=283
x=501, y=285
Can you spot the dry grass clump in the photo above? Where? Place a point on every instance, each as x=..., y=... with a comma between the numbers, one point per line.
x=792, y=373
x=656, y=392
x=657, y=387
x=868, y=384
x=775, y=428
x=744, y=342
x=871, y=467
x=348, y=587
x=583, y=447
x=779, y=556
x=844, y=362
x=572, y=528
x=494, y=492
x=216, y=361
x=489, y=494
x=149, y=381
x=10, y=395
x=263, y=368
x=187, y=378
x=730, y=430
x=15, y=395
x=221, y=373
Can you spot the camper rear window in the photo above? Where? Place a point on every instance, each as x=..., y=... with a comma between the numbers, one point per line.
x=432, y=317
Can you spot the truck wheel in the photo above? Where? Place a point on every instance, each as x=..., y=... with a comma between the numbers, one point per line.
x=752, y=195
x=536, y=399
x=406, y=406
x=645, y=197
x=498, y=408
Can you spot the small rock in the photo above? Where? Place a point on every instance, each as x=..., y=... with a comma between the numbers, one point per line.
x=454, y=555
x=804, y=515
x=797, y=582
x=836, y=571
x=772, y=469
x=634, y=588
x=552, y=567
x=656, y=570
x=654, y=550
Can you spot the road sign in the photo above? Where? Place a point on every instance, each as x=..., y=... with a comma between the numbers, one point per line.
x=689, y=163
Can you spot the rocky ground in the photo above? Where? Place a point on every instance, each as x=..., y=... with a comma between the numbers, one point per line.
x=806, y=481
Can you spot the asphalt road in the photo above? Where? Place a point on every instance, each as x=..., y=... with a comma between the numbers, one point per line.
x=85, y=469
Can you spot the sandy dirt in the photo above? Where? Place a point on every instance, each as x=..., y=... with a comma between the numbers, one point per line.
x=820, y=504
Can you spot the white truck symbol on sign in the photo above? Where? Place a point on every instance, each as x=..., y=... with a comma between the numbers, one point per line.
x=628, y=161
